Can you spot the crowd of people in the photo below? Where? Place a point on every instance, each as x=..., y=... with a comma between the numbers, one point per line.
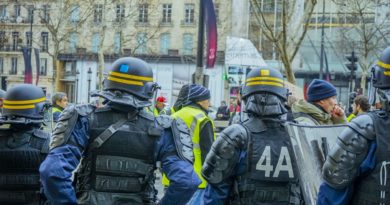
x=108, y=154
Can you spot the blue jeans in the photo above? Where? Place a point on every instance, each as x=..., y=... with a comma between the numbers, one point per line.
x=197, y=198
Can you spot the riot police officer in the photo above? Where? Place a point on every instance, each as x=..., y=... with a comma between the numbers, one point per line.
x=23, y=146
x=252, y=163
x=2, y=94
x=355, y=171
x=120, y=144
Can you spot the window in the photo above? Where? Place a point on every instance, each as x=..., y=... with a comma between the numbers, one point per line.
x=1, y=65
x=16, y=10
x=43, y=68
x=15, y=40
x=120, y=12
x=46, y=13
x=98, y=13
x=73, y=40
x=3, y=11
x=189, y=13
x=45, y=41
x=188, y=43
x=74, y=13
x=141, y=41
x=28, y=39
x=30, y=13
x=167, y=13
x=143, y=13
x=95, y=42
x=117, y=42
x=14, y=66
x=164, y=43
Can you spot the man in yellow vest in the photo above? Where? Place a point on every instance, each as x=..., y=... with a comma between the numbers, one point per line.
x=158, y=109
x=201, y=127
x=59, y=101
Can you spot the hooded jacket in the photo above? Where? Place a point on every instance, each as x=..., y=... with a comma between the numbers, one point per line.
x=307, y=113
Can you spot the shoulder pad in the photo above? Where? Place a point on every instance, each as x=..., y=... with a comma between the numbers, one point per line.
x=145, y=114
x=41, y=134
x=64, y=126
x=41, y=140
x=164, y=121
x=255, y=125
x=183, y=140
x=343, y=161
x=85, y=110
x=103, y=109
x=236, y=134
x=364, y=125
x=224, y=153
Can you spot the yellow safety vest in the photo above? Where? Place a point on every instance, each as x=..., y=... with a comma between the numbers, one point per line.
x=194, y=119
x=55, y=109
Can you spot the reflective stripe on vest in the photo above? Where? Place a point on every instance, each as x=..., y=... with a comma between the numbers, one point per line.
x=55, y=109
x=194, y=118
x=155, y=112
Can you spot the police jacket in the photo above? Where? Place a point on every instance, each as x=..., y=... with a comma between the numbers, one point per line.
x=252, y=163
x=22, y=150
x=56, y=170
x=360, y=178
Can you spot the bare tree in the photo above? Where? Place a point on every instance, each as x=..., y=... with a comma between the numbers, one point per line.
x=366, y=34
x=57, y=18
x=286, y=37
x=115, y=19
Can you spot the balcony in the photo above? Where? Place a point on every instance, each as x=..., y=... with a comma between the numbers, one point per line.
x=10, y=48
x=166, y=23
x=188, y=23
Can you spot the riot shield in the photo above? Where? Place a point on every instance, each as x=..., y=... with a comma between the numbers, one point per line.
x=311, y=145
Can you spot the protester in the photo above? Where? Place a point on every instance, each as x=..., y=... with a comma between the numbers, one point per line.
x=223, y=112
x=59, y=103
x=321, y=107
x=360, y=105
x=193, y=115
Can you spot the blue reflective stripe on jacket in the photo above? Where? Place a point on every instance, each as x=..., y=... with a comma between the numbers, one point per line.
x=56, y=170
x=330, y=196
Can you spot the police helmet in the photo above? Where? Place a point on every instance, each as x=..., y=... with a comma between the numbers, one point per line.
x=262, y=80
x=381, y=72
x=131, y=75
x=24, y=100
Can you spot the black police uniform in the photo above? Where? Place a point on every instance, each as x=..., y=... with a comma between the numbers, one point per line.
x=23, y=146
x=255, y=157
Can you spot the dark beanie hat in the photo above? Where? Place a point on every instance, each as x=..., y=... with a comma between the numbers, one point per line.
x=198, y=93
x=319, y=90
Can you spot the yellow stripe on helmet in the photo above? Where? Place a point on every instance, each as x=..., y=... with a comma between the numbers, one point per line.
x=383, y=65
x=128, y=82
x=19, y=107
x=132, y=77
x=264, y=83
x=22, y=102
x=264, y=78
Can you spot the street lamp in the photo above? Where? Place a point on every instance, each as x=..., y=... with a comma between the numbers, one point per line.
x=77, y=85
x=89, y=82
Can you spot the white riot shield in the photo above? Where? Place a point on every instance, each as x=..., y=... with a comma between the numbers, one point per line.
x=311, y=145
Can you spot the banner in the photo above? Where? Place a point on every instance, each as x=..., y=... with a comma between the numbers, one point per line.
x=37, y=63
x=27, y=65
x=211, y=30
